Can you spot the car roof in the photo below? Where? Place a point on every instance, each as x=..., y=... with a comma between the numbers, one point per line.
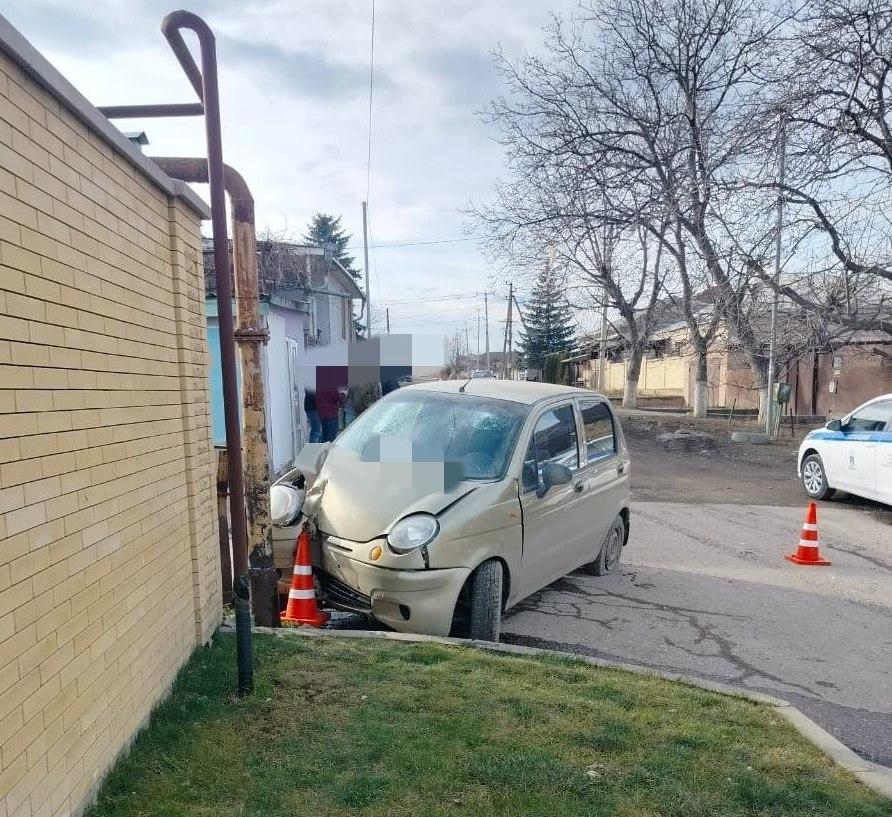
x=520, y=391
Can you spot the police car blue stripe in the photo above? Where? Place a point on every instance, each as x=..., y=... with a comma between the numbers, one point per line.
x=852, y=436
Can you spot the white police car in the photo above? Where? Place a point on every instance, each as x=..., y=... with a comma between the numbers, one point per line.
x=853, y=454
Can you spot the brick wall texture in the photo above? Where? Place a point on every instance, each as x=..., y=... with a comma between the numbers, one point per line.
x=109, y=568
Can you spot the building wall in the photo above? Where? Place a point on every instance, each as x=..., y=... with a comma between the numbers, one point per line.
x=285, y=388
x=858, y=372
x=109, y=562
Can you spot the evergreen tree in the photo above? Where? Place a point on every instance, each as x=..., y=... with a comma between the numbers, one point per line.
x=325, y=231
x=547, y=325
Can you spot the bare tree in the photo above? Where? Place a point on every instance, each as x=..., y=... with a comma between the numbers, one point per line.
x=834, y=91
x=650, y=102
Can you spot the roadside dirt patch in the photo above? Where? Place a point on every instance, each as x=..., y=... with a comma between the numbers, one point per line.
x=681, y=461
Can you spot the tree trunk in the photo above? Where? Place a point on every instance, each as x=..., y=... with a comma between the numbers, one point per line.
x=630, y=392
x=701, y=386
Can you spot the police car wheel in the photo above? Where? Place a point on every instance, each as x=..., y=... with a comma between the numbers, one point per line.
x=814, y=478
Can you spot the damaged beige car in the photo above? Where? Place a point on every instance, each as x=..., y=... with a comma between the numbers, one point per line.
x=446, y=503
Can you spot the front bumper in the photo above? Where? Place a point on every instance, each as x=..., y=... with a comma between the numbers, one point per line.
x=417, y=601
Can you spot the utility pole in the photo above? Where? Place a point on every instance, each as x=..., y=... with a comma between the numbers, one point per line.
x=478, y=338
x=509, y=330
x=505, y=347
x=365, y=250
x=387, y=318
x=486, y=310
x=602, y=346
x=772, y=345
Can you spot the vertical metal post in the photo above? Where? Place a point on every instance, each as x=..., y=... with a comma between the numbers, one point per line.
x=509, y=365
x=602, y=346
x=205, y=84
x=505, y=355
x=772, y=343
x=387, y=318
x=365, y=250
x=486, y=312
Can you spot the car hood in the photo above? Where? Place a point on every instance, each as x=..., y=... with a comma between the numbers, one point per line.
x=359, y=501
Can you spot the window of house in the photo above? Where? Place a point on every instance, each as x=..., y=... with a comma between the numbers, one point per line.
x=345, y=317
x=600, y=436
x=554, y=440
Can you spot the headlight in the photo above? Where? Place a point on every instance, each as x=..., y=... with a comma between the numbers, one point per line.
x=285, y=503
x=413, y=532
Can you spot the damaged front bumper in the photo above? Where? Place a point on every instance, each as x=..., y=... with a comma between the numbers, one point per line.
x=399, y=592
x=415, y=600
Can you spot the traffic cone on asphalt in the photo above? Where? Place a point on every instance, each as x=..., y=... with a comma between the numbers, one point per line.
x=302, y=607
x=807, y=553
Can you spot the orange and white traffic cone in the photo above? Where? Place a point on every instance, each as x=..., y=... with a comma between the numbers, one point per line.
x=807, y=553
x=302, y=607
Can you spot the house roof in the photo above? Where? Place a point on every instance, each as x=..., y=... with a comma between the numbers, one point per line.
x=286, y=268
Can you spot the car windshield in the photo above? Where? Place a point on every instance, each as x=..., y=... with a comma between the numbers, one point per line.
x=475, y=433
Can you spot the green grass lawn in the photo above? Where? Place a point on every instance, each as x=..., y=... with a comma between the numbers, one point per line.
x=350, y=727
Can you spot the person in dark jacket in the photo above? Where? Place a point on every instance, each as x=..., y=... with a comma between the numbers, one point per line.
x=312, y=415
x=331, y=385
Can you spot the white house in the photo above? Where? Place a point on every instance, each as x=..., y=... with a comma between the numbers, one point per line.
x=307, y=298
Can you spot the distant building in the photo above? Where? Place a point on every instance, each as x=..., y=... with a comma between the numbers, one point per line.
x=829, y=380
x=307, y=298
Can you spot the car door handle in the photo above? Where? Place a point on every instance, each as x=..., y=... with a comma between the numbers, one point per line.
x=620, y=468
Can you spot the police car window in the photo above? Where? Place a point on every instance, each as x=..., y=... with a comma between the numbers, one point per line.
x=875, y=417
x=600, y=438
x=553, y=440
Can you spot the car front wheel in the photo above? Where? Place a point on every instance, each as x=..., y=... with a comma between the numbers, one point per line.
x=814, y=478
x=486, y=602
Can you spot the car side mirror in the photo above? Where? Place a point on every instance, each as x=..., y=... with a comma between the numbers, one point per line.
x=833, y=425
x=553, y=473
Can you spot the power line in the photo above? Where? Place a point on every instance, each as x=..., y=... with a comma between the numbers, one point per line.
x=368, y=166
x=390, y=245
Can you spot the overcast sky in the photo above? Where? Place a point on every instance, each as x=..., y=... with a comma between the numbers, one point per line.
x=294, y=78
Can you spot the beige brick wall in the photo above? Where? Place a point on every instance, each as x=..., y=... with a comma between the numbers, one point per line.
x=109, y=574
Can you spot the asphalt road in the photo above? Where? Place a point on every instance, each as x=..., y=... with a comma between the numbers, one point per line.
x=704, y=589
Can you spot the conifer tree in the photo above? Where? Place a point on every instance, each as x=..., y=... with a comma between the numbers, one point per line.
x=547, y=324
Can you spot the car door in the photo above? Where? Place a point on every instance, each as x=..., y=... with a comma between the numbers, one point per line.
x=883, y=459
x=602, y=473
x=860, y=455
x=554, y=523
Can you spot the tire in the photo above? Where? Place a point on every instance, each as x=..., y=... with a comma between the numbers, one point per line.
x=486, y=602
x=611, y=549
x=814, y=478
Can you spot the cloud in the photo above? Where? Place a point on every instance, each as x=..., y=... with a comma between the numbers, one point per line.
x=293, y=81
x=301, y=72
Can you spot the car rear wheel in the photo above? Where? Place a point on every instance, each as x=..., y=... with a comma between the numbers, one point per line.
x=814, y=478
x=486, y=602
x=611, y=549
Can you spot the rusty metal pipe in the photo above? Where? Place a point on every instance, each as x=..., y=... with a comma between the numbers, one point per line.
x=250, y=335
x=141, y=111
x=205, y=84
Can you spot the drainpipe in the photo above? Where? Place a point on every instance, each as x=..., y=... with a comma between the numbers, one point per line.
x=204, y=83
x=251, y=334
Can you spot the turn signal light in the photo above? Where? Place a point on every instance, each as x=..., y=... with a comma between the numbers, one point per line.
x=376, y=553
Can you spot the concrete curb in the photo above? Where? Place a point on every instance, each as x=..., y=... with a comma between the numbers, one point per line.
x=876, y=777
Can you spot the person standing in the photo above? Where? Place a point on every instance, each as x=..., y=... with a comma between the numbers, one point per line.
x=330, y=382
x=312, y=415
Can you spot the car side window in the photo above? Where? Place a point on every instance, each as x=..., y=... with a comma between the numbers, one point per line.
x=554, y=440
x=600, y=435
x=875, y=417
